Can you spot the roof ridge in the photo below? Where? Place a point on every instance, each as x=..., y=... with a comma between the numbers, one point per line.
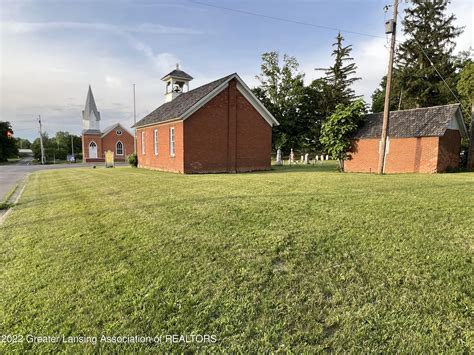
x=199, y=87
x=417, y=108
x=209, y=83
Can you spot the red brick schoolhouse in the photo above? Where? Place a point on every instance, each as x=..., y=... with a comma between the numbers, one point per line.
x=95, y=142
x=217, y=127
x=422, y=140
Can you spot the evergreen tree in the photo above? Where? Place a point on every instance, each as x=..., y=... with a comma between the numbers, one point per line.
x=428, y=29
x=397, y=98
x=340, y=76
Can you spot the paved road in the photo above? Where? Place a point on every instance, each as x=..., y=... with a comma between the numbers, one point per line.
x=12, y=173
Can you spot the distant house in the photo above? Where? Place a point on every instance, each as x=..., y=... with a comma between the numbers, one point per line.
x=423, y=140
x=96, y=142
x=218, y=127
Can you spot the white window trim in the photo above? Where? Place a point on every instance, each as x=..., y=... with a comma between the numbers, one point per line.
x=96, y=150
x=143, y=142
x=116, y=148
x=172, y=143
x=155, y=141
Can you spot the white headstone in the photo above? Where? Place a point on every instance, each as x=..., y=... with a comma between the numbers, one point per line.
x=278, y=158
x=322, y=157
x=316, y=158
x=292, y=156
x=306, y=158
x=327, y=157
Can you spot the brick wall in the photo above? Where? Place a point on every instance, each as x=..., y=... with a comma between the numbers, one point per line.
x=109, y=142
x=163, y=160
x=405, y=155
x=254, y=143
x=86, y=140
x=227, y=135
x=449, y=149
x=206, y=136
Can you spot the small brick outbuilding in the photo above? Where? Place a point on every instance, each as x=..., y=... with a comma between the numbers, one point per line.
x=423, y=140
x=217, y=127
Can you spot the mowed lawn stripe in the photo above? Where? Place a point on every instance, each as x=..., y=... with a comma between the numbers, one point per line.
x=298, y=258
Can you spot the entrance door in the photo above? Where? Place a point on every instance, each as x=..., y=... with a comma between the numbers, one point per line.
x=92, y=150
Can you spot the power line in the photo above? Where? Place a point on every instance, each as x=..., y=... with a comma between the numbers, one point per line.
x=439, y=74
x=284, y=19
x=297, y=22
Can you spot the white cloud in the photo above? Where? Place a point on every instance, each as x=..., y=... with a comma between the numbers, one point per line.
x=371, y=58
x=113, y=82
x=14, y=27
x=36, y=80
x=161, y=61
x=464, y=12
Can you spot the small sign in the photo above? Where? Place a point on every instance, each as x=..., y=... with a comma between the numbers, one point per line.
x=109, y=159
x=71, y=158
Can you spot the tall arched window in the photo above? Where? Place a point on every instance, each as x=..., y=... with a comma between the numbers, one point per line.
x=119, y=148
x=92, y=150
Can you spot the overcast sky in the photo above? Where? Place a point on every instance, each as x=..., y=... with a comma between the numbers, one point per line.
x=51, y=50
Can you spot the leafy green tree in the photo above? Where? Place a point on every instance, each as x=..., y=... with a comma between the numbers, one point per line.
x=22, y=143
x=58, y=147
x=465, y=88
x=281, y=90
x=430, y=33
x=36, y=146
x=338, y=128
x=341, y=75
x=8, y=147
x=396, y=96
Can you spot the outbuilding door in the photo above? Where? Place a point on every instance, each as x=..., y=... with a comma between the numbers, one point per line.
x=92, y=150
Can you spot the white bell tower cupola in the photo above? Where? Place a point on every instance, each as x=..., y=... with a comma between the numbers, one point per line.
x=177, y=82
x=90, y=115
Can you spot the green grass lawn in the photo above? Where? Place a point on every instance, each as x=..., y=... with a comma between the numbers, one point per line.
x=300, y=258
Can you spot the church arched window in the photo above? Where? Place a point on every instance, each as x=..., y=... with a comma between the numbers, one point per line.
x=119, y=148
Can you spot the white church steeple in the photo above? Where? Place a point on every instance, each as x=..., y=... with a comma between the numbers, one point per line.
x=177, y=82
x=90, y=115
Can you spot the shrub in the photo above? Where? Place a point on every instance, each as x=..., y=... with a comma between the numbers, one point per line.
x=337, y=130
x=133, y=160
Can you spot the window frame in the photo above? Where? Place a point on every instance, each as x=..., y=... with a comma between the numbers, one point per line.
x=155, y=141
x=121, y=147
x=172, y=142
x=143, y=142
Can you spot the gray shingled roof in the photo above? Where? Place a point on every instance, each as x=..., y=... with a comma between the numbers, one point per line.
x=180, y=104
x=420, y=122
x=178, y=73
x=91, y=131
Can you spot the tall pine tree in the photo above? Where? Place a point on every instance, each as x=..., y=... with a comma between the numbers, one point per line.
x=430, y=33
x=340, y=76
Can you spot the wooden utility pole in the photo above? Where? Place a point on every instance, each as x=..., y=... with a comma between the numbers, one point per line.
x=386, y=110
x=134, y=122
x=41, y=140
x=470, y=153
